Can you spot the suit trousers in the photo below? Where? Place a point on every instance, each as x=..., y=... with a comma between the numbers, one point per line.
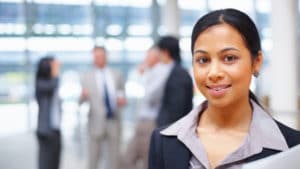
x=49, y=150
x=111, y=140
x=136, y=154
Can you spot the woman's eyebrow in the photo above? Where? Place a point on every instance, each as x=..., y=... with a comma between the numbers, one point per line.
x=200, y=51
x=228, y=48
x=223, y=50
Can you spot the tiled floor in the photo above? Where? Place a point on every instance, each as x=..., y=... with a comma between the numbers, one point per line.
x=20, y=152
x=18, y=144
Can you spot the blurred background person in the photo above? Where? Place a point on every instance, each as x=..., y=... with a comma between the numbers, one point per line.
x=103, y=89
x=177, y=98
x=136, y=154
x=49, y=113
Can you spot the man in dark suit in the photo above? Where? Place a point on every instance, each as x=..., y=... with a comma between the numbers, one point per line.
x=178, y=89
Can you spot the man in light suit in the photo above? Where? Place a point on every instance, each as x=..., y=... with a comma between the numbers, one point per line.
x=103, y=88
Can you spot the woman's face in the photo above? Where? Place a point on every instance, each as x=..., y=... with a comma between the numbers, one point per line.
x=222, y=65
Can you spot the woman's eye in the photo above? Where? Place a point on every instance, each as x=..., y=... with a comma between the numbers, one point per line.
x=230, y=58
x=202, y=60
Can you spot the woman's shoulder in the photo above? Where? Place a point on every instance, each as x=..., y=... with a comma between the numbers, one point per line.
x=160, y=141
x=156, y=132
x=291, y=135
x=157, y=135
x=156, y=140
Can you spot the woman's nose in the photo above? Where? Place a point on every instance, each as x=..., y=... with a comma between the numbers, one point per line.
x=215, y=72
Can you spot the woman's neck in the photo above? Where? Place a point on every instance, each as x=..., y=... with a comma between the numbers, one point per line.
x=235, y=116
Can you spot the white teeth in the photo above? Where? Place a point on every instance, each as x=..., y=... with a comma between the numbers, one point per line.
x=218, y=88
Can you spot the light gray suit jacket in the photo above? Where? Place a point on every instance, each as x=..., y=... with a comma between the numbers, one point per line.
x=97, y=113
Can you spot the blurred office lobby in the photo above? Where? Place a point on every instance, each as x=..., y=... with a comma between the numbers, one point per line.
x=68, y=29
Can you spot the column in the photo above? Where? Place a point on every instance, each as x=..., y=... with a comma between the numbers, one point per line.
x=171, y=17
x=284, y=87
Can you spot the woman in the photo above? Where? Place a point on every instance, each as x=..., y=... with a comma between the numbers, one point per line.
x=49, y=113
x=231, y=127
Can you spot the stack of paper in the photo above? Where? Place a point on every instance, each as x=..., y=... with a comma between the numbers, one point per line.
x=289, y=159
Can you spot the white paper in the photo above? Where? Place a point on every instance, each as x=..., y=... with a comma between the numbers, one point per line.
x=289, y=159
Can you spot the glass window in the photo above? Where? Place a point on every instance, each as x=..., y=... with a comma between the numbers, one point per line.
x=60, y=19
x=139, y=21
x=133, y=3
x=60, y=2
x=110, y=20
x=11, y=19
x=196, y=5
x=245, y=5
x=11, y=12
x=14, y=77
x=48, y=44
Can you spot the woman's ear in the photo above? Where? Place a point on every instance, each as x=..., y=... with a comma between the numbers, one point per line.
x=257, y=63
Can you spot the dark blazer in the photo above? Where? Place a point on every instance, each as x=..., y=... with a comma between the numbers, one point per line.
x=44, y=93
x=177, y=99
x=167, y=152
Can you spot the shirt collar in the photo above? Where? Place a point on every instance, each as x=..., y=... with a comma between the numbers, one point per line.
x=185, y=123
x=264, y=132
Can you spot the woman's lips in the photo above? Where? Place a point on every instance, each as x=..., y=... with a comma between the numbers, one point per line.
x=218, y=90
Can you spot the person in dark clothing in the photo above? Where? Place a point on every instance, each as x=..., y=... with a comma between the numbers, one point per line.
x=177, y=98
x=49, y=113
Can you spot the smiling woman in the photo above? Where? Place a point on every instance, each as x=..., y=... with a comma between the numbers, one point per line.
x=223, y=66
x=231, y=127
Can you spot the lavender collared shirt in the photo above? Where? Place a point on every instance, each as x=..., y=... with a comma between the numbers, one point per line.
x=263, y=133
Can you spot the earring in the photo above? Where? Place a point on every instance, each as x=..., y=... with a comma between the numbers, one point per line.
x=256, y=74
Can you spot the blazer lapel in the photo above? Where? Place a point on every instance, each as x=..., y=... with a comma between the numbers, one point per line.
x=176, y=154
x=265, y=153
